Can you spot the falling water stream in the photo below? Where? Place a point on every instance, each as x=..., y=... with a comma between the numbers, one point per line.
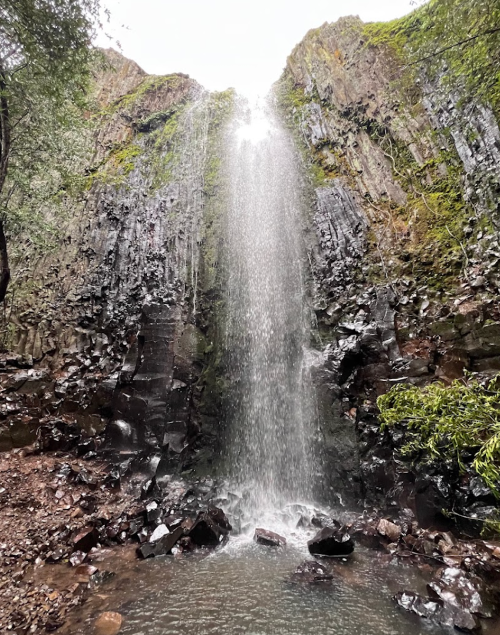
x=271, y=421
x=242, y=587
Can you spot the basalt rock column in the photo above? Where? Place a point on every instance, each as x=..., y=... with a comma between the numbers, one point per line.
x=271, y=418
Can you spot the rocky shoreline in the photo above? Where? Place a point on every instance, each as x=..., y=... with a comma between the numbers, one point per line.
x=55, y=536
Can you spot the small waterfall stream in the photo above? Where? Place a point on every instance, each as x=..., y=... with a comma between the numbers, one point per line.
x=272, y=406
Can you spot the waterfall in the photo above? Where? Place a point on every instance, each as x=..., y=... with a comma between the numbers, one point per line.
x=271, y=418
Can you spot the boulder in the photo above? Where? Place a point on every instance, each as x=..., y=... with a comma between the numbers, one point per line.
x=269, y=538
x=460, y=589
x=331, y=542
x=210, y=528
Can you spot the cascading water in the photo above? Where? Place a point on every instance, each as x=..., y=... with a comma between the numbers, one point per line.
x=272, y=409
x=243, y=587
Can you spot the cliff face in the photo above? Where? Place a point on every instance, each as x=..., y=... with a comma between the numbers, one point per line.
x=118, y=330
x=406, y=177
x=110, y=328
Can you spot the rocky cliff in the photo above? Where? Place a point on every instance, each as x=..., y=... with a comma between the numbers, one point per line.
x=405, y=170
x=118, y=329
x=109, y=330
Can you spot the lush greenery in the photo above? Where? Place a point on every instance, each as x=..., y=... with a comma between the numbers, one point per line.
x=448, y=422
x=456, y=39
x=45, y=68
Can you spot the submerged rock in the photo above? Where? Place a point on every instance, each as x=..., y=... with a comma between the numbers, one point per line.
x=331, y=542
x=108, y=623
x=269, y=538
x=312, y=572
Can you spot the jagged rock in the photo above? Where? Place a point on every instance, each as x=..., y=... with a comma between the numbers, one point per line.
x=269, y=538
x=85, y=540
x=455, y=586
x=162, y=546
x=312, y=572
x=389, y=529
x=331, y=542
x=437, y=610
x=159, y=532
x=206, y=532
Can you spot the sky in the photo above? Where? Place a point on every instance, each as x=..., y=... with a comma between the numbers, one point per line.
x=227, y=43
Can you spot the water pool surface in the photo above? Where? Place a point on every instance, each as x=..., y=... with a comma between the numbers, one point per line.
x=246, y=588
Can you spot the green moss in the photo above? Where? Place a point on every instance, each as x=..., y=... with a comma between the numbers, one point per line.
x=148, y=85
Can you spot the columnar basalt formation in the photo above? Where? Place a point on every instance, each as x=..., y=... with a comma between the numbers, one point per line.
x=406, y=277
x=106, y=330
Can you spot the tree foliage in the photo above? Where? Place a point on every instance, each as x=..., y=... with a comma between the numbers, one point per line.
x=46, y=61
x=444, y=422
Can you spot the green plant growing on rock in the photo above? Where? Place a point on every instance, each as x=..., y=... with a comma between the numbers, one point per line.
x=444, y=422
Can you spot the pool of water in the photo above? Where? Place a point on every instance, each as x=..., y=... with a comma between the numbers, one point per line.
x=246, y=588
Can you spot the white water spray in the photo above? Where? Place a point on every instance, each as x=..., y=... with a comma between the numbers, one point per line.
x=272, y=416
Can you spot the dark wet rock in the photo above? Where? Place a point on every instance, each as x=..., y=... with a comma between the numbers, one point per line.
x=86, y=540
x=85, y=446
x=112, y=480
x=153, y=513
x=331, y=542
x=219, y=517
x=206, y=531
x=162, y=546
x=438, y=611
x=269, y=538
x=312, y=572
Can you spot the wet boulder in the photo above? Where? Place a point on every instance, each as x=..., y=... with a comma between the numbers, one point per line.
x=210, y=528
x=219, y=517
x=461, y=590
x=389, y=529
x=161, y=546
x=437, y=610
x=268, y=538
x=331, y=542
x=312, y=572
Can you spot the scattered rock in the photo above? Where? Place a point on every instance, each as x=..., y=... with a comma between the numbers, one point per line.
x=160, y=547
x=389, y=529
x=269, y=538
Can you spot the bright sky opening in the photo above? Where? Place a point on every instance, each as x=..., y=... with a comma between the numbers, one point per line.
x=227, y=43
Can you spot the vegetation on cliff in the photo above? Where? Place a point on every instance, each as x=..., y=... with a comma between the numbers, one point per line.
x=459, y=422
x=45, y=68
